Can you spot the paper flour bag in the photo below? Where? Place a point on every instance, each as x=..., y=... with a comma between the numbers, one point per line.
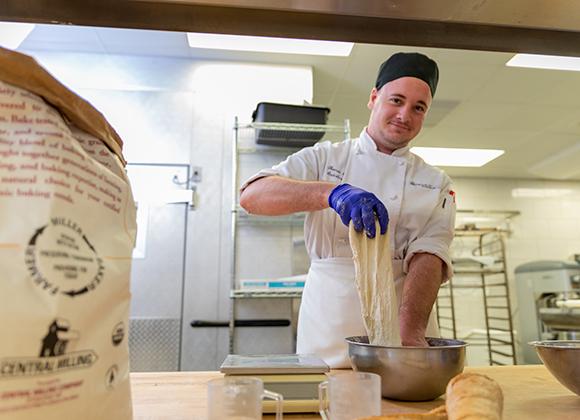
x=68, y=229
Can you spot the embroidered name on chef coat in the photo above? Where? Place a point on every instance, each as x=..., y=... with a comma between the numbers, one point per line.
x=333, y=172
x=427, y=186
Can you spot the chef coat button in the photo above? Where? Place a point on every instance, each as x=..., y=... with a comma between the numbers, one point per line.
x=401, y=163
x=394, y=197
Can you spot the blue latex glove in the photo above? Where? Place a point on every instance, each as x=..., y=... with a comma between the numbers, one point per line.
x=360, y=206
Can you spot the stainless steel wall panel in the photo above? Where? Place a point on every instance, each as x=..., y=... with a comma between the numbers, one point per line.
x=154, y=344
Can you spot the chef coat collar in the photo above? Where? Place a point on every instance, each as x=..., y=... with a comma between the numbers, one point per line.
x=367, y=144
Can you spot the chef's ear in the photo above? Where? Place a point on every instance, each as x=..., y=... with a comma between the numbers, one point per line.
x=373, y=98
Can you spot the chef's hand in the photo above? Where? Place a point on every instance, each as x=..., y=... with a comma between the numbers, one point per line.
x=412, y=334
x=360, y=206
x=414, y=341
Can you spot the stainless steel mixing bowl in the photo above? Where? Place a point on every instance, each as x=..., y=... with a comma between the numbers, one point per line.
x=409, y=373
x=562, y=358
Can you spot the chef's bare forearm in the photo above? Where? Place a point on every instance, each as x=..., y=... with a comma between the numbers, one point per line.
x=276, y=195
x=419, y=293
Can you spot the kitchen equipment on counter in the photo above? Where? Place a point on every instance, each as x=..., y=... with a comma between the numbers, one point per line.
x=409, y=373
x=559, y=315
x=350, y=395
x=239, y=397
x=295, y=376
x=542, y=287
x=562, y=358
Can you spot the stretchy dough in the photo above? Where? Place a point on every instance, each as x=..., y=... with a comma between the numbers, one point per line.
x=376, y=287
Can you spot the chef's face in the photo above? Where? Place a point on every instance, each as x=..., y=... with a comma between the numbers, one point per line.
x=397, y=112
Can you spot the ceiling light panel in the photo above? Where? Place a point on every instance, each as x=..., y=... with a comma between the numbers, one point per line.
x=444, y=156
x=268, y=44
x=549, y=62
x=12, y=34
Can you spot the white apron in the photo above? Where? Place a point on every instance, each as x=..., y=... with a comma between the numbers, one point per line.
x=330, y=310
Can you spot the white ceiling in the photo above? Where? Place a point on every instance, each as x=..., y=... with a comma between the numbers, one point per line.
x=480, y=103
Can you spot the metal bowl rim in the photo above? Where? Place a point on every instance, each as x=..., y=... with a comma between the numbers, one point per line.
x=461, y=344
x=557, y=344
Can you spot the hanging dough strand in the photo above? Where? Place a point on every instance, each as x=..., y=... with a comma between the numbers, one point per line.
x=376, y=287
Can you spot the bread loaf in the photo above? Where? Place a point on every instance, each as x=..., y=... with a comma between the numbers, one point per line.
x=471, y=396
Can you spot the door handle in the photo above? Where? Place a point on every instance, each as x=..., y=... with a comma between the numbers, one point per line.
x=198, y=323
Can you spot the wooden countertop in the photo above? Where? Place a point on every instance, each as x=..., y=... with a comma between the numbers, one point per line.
x=530, y=391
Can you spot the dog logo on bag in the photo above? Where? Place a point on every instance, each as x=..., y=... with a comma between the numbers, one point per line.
x=55, y=341
x=61, y=259
x=53, y=356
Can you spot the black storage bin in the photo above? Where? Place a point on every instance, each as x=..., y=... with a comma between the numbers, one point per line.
x=283, y=113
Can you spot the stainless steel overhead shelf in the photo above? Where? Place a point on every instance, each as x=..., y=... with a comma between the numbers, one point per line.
x=266, y=294
x=297, y=127
x=474, y=222
x=291, y=219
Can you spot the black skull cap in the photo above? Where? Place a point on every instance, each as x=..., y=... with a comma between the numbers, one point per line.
x=409, y=65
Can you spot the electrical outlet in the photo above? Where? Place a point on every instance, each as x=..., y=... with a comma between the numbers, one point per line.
x=196, y=173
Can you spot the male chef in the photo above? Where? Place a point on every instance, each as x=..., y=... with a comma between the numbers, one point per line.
x=374, y=176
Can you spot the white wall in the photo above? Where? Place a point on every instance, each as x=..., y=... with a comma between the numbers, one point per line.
x=549, y=224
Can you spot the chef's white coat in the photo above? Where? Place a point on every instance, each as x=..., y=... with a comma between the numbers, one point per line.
x=421, y=206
